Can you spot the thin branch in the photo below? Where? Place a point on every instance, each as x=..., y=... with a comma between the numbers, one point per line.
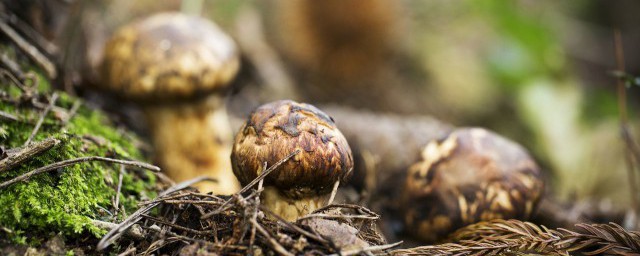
x=274, y=244
x=254, y=214
x=72, y=112
x=17, y=82
x=293, y=227
x=135, y=232
x=624, y=126
x=29, y=49
x=367, y=249
x=11, y=66
x=27, y=153
x=251, y=184
x=334, y=191
x=337, y=216
x=130, y=251
x=118, y=190
x=8, y=116
x=137, y=215
x=69, y=162
x=52, y=102
x=37, y=38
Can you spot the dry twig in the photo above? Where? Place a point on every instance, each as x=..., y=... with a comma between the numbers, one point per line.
x=238, y=224
x=29, y=49
x=52, y=102
x=116, y=232
x=26, y=153
x=632, y=153
x=69, y=162
x=8, y=116
x=252, y=183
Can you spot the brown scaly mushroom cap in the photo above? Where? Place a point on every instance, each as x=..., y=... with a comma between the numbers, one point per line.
x=472, y=175
x=177, y=65
x=274, y=131
x=169, y=56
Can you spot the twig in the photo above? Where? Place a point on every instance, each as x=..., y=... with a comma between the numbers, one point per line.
x=137, y=215
x=291, y=226
x=157, y=245
x=17, y=82
x=624, y=126
x=254, y=215
x=337, y=216
x=118, y=189
x=157, y=229
x=135, y=232
x=334, y=191
x=131, y=250
x=251, y=184
x=268, y=64
x=27, y=153
x=274, y=244
x=367, y=249
x=197, y=232
x=39, y=40
x=72, y=111
x=347, y=206
x=8, y=116
x=268, y=171
x=11, y=66
x=64, y=163
x=29, y=49
x=52, y=102
x=193, y=202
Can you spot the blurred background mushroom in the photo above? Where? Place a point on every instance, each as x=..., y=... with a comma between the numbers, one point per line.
x=178, y=67
x=471, y=175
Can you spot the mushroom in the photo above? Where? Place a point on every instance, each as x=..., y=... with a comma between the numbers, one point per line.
x=178, y=67
x=472, y=175
x=304, y=183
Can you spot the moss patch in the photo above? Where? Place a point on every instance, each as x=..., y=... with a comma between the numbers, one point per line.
x=64, y=201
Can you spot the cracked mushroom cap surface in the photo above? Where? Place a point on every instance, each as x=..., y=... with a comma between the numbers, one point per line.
x=471, y=175
x=277, y=129
x=168, y=56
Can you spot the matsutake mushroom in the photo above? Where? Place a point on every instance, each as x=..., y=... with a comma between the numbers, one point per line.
x=471, y=175
x=302, y=184
x=178, y=68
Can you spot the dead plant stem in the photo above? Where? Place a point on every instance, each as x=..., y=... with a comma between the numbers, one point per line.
x=52, y=102
x=69, y=162
x=624, y=126
x=27, y=153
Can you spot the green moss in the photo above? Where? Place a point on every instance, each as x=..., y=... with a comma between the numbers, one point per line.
x=66, y=200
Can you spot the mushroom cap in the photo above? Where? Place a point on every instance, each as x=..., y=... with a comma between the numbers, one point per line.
x=472, y=175
x=277, y=129
x=168, y=56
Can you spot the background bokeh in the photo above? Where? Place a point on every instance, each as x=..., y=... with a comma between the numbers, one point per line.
x=537, y=72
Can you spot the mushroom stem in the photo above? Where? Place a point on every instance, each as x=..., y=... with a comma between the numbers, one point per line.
x=193, y=139
x=288, y=208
